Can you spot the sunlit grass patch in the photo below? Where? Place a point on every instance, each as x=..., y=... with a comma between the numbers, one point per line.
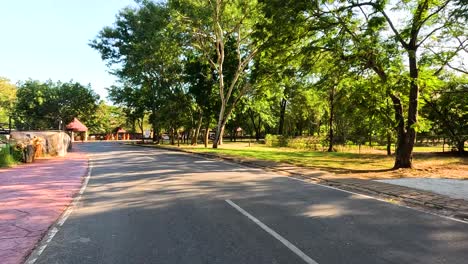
x=367, y=164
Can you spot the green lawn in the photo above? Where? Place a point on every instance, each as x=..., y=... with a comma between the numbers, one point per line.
x=339, y=161
x=369, y=162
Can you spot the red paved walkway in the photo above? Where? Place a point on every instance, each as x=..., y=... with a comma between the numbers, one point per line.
x=32, y=197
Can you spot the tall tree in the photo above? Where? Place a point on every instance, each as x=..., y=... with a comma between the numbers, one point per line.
x=7, y=99
x=377, y=30
x=430, y=24
x=200, y=78
x=144, y=50
x=106, y=119
x=212, y=24
x=134, y=102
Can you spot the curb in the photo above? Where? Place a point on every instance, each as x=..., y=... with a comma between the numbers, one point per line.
x=401, y=199
x=55, y=227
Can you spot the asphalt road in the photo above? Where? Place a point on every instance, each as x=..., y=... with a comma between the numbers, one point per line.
x=154, y=206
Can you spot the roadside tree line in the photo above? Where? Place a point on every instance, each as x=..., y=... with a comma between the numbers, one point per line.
x=346, y=71
x=36, y=105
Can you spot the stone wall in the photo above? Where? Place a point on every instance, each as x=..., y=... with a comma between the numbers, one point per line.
x=54, y=143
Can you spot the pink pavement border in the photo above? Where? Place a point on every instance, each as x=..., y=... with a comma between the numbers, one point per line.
x=32, y=197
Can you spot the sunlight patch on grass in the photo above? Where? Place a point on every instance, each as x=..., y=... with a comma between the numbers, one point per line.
x=332, y=160
x=365, y=165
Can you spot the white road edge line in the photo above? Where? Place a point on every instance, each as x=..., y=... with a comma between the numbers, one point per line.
x=54, y=230
x=270, y=231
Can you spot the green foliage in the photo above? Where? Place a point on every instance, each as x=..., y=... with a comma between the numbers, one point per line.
x=107, y=118
x=145, y=53
x=221, y=31
x=447, y=108
x=7, y=99
x=461, y=10
x=16, y=153
x=201, y=81
x=6, y=159
x=309, y=143
x=334, y=72
x=275, y=141
x=41, y=106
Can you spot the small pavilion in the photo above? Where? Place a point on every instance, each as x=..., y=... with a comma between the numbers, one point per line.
x=77, y=126
x=121, y=134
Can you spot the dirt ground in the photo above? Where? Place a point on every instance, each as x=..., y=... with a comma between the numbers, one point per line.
x=426, y=165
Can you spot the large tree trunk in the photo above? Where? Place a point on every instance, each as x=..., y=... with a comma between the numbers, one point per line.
x=197, y=131
x=155, y=134
x=256, y=127
x=282, y=113
x=330, y=121
x=178, y=138
x=172, y=136
x=186, y=136
x=220, y=125
x=461, y=147
x=140, y=126
x=207, y=134
x=134, y=124
x=221, y=135
x=401, y=151
x=154, y=124
x=404, y=153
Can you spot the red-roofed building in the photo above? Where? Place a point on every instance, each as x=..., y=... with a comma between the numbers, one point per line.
x=77, y=126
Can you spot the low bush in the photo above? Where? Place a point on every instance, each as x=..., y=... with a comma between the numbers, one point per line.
x=17, y=154
x=312, y=143
x=276, y=141
x=6, y=159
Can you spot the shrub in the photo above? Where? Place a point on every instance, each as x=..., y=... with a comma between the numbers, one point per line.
x=312, y=143
x=276, y=141
x=6, y=159
x=17, y=154
x=271, y=140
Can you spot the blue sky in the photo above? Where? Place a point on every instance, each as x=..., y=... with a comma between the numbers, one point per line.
x=48, y=39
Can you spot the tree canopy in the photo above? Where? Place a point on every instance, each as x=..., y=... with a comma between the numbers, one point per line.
x=50, y=105
x=7, y=99
x=339, y=71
